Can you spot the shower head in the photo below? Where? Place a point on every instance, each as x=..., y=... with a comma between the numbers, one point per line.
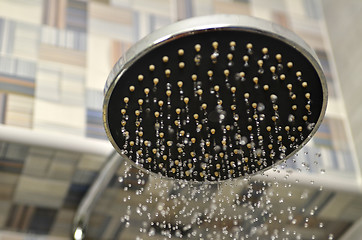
x=213, y=98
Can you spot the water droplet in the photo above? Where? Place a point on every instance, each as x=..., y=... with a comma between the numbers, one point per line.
x=261, y=107
x=273, y=98
x=310, y=126
x=197, y=59
x=243, y=140
x=222, y=115
x=291, y=118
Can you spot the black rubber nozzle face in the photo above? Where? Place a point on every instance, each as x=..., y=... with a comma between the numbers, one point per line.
x=215, y=105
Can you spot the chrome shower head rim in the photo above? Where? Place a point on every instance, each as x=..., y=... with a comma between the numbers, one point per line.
x=204, y=24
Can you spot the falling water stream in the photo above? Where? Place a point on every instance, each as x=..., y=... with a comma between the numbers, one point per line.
x=253, y=207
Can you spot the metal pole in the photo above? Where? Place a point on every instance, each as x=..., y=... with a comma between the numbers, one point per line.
x=88, y=202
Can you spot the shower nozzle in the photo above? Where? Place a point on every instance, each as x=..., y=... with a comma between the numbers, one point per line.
x=213, y=98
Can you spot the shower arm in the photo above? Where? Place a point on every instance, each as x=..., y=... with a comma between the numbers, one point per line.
x=96, y=190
